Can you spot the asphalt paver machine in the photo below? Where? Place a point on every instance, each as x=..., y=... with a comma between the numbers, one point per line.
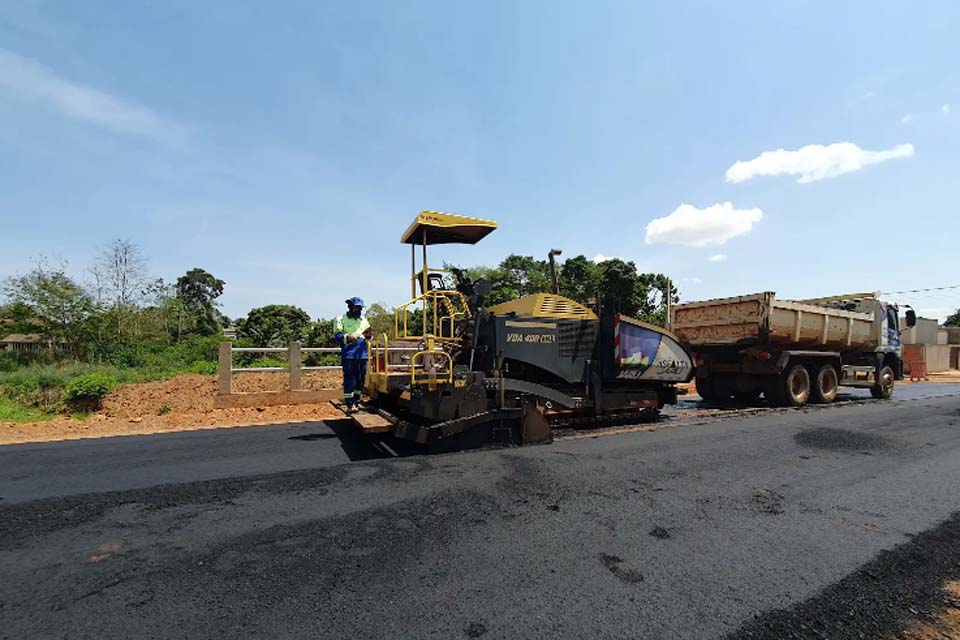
x=459, y=374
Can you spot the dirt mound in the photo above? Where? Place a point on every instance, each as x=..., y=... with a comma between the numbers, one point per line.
x=194, y=393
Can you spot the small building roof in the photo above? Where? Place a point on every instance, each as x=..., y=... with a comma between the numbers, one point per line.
x=21, y=338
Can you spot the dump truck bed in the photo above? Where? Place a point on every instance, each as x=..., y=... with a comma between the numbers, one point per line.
x=762, y=320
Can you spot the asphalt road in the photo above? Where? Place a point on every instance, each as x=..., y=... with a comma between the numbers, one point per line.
x=835, y=521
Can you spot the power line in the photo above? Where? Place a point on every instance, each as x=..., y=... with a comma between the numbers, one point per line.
x=953, y=286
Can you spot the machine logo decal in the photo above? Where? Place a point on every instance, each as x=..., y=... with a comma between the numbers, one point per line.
x=534, y=338
x=638, y=347
x=671, y=366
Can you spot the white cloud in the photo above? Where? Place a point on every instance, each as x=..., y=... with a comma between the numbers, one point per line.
x=945, y=108
x=717, y=257
x=906, y=119
x=690, y=226
x=33, y=81
x=602, y=258
x=692, y=280
x=814, y=162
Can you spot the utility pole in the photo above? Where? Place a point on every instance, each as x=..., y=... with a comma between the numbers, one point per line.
x=553, y=269
x=669, y=322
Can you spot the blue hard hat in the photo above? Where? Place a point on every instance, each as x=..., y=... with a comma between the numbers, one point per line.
x=355, y=301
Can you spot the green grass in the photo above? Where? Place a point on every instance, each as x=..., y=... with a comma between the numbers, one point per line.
x=11, y=411
x=37, y=392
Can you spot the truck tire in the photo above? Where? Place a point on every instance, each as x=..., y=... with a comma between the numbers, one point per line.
x=825, y=383
x=791, y=388
x=883, y=390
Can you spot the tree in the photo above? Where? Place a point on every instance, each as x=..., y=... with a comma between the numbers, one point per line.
x=380, y=319
x=274, y=325
x=119, y=275
x=198, y=290
x=579, y=279
x=320, y=334
x=641, y=295
x=165, y=315
x=953, y=320
x=516, y=276
x=525, y=274
x=60, y=306
x=18, y=318
x=652, y=295
x=620, y=286
x=119, y=272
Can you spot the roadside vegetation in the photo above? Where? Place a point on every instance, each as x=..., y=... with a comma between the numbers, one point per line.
x=114, y=324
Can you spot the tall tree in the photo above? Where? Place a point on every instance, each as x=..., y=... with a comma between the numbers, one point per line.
x=579, y=279
x=198, y=291
x=619, y=286
x=120, y=272
x=119, y=275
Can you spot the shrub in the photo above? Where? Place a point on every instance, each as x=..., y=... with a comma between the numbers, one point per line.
x=86, y=392
x=34, y=386
x=267, y=362
x=8, y=361
x=204, y=368
x=164, y=409
x=155, y=360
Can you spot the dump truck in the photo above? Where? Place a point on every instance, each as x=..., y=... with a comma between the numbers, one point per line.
x=791, y=351
x=458, y=372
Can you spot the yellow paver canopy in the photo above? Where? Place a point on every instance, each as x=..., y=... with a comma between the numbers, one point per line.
x=446, y=228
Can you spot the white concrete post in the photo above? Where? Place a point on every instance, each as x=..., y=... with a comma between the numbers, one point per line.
x=295, y=364
x=226, y=368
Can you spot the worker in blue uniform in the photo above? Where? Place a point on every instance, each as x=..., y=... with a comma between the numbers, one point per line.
x=351, y=331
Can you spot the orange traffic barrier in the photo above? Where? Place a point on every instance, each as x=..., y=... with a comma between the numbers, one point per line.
x=918, y=370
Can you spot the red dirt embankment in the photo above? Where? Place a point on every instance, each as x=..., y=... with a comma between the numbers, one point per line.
x=182, y=403
x=185, y=403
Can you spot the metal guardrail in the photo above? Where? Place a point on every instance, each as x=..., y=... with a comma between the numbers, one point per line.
x=295, y=366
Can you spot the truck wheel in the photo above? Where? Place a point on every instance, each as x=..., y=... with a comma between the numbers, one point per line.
x=792, y=388
x=825, y=385
x=883, y=390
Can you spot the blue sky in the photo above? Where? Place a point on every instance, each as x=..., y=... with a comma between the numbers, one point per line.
x=285, y=146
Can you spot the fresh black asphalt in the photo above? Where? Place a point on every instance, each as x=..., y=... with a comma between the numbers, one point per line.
x=833, y=522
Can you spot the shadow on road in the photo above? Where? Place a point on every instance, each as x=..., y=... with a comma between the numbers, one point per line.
x=314, y=436
x=355, y=445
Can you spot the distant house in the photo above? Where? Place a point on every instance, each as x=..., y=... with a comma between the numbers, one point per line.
x=22, y=342
x=937, y=347
x=230, y=332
